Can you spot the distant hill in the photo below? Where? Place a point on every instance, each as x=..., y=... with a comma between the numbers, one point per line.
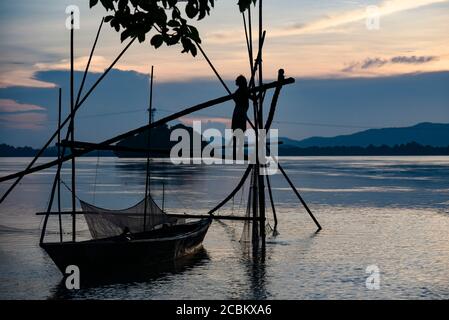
x=409, y=149
x=426, y=134
x=421, y=139
x=10, y=151
x=160, y=143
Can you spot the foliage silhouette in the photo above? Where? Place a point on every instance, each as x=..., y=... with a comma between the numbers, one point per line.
x=137, y=18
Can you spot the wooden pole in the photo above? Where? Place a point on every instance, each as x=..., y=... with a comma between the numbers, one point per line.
x=59, y=159
x=250, y=32
x=261, y=183
x=72, y=127
x=254, y=171
x=147, y=177
x=79, y=145
x=260, y=45
x=128, y=134
x=53, y=190
x=213, y=68
x=256, y=64
x=274, y=101
x=57, y=179
x=163, y=196
x=187, y=216
x=273, y=207
x=248, y=46
x=255, y=230
x=29, y=169
x=299, y=197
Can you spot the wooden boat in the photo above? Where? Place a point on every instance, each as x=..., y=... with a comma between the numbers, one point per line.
x=129, y=251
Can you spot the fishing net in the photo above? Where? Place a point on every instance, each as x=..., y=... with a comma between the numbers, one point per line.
x=104, y=223
x=248, y=225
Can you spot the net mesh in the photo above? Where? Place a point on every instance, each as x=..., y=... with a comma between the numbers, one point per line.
x=104, y=223
x=246, y=236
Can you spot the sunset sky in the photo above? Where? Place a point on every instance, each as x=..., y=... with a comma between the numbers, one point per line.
x=312, y=40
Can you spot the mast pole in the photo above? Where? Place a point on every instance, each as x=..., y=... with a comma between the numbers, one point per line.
x=57, y=180
x=147, y=176
x=59, y=159
x=72, y=126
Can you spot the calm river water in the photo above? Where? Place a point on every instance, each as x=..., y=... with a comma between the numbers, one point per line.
x=391, y=212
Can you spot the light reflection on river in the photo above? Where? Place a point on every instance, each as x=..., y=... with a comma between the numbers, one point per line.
x=388, y=211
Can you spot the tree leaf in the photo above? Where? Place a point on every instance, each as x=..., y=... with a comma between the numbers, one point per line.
x=93, y=3
x=191, y=9
x=108, y=18
x=125, y=34
x=137, y=18
x=157, y=41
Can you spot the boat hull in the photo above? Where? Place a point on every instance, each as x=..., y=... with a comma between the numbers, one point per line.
x=124, y=253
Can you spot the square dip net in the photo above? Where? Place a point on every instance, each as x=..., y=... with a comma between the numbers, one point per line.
x=104, y=223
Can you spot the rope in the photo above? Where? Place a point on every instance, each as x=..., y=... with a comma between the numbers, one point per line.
x=70, y=190
x=96, y=174
x=213, y=68
x=241, y=197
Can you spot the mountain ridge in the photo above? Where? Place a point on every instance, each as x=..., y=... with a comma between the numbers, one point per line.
x=424, y=133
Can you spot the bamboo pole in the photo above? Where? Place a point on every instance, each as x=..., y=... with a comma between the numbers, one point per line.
x=53, y=190
x=213, y=68
x=72, y=126
x=273, y=207
x=29, y=168
x=254, y=171
x=58, y=132
x=248, y=45
x=163, y=196
x=274, y=101
x=187, y=216
x=79, y=145
x=255, y=227
x=261, y=182
x=128, y=134
x=59, y=158
x=299, y=197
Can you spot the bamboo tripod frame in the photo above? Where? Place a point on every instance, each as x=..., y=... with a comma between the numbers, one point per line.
x=258, y=93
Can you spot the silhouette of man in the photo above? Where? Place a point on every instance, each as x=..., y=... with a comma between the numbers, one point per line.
x=241, y=98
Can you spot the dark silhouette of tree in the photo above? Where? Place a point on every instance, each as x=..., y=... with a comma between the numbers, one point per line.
x=409, y=149
x=137, y=18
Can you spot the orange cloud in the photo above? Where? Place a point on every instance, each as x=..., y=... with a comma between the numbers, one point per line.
x=330, y=22
x=98, y=64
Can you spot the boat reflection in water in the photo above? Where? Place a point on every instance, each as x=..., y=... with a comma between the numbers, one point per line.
x=140, y=274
